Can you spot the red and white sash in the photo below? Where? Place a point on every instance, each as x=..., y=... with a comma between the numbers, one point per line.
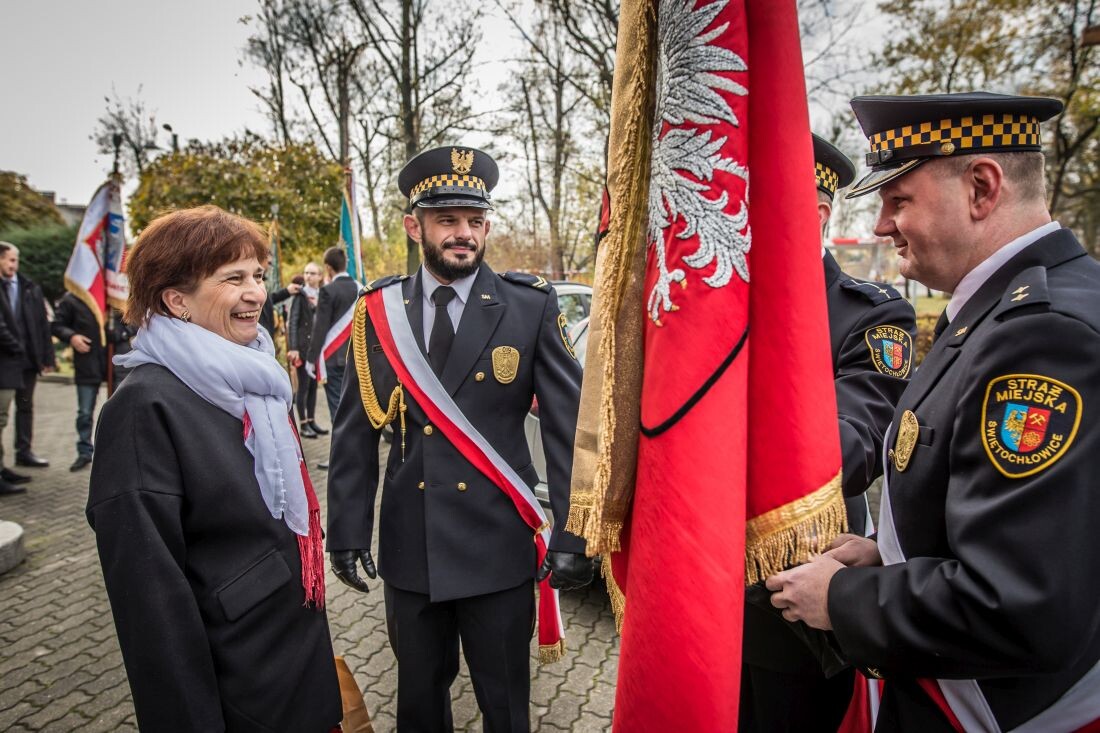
x=335, y=340
x=962, y=701
x=386, y=308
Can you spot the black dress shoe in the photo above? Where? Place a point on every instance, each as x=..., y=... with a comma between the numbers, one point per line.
x=80, y=462
x=12, y=477
x=6, y=488
x=306, y=431
x=317, y=428
x=30, y=459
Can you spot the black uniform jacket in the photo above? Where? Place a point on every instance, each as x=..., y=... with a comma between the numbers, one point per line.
x=445, y=529
x=996, y=509
x=299, y=324
x=861, y=315
x=333, y=301
x=205, y=585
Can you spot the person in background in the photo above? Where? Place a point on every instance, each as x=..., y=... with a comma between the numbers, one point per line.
x=75, y=324
x=32, y=328
x=11, y=379
x=267, y=314
x=334, y=302
x=207, y=526
x=299, y=331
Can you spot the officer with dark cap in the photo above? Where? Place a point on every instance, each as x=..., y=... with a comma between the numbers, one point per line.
x=871, y=329
x=978, y=604
x=457, y=559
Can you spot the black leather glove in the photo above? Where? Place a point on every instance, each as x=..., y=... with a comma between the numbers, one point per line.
x=567, y=570
x=343, y=565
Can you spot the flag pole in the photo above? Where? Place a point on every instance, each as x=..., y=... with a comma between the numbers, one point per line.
x=116, y=140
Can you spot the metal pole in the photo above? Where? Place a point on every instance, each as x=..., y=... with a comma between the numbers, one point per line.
x=116, y=139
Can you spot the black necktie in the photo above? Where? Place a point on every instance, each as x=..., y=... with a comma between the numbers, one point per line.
x=941, y=324
x=443, y=331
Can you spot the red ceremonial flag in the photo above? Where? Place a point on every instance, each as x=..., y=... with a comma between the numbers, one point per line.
x=738, y=461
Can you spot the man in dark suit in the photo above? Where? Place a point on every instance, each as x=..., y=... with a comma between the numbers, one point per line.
x=11, y=379
x=28, y=307
x=978, y=602
x=457, y=559
x=871, y=330
x=333, y=303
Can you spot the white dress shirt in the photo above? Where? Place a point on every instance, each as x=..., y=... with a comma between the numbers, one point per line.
x=974, y=279
x=462, y=288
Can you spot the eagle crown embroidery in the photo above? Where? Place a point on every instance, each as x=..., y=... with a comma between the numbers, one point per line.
x=462, y=161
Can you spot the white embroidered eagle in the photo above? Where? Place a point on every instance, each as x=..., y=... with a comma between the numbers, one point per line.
x=687, y=93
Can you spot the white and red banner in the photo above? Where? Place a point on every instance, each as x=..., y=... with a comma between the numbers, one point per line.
x=336, y=339
x=386, y=308
x=96, y=270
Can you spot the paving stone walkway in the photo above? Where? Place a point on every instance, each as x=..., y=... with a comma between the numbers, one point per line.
x=60, y=666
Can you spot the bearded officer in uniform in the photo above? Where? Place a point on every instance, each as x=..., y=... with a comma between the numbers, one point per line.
x=456, y=558
x=979, y=602
x=871, y=329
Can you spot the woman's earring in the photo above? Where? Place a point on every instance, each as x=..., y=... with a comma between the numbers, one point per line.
x=185, y=316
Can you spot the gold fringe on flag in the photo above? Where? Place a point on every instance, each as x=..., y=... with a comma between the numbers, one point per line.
x=551, y=653
x=606, y=448
x=615, y=593
x=794, y=533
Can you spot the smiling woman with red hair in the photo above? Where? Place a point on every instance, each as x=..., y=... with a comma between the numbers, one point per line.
x=207, y=525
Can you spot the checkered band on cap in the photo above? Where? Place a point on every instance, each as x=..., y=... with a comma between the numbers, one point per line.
x=987, y=132
x=453, y=180
x=827, y=179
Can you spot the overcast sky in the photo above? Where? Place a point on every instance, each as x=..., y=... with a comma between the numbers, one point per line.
x=59, y=59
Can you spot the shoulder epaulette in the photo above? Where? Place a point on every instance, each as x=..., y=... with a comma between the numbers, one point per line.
x=1029, y=288
x=877, y=293
x=382, y=282
x=534, y=281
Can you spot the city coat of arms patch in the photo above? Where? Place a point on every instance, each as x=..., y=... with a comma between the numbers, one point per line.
x=1028, y=422
x=891, y=350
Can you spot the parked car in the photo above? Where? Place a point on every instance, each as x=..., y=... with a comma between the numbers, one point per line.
x=574, y=301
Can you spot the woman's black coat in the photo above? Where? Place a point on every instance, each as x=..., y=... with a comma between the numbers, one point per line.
x=205, y=586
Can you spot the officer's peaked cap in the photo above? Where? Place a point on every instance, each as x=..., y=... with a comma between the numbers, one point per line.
x=905, y=131
x=832, y=169
x=451, y=175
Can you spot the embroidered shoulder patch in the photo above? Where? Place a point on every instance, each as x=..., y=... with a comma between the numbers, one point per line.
x=563, y=327
x=891, y=350
x=1028, y=422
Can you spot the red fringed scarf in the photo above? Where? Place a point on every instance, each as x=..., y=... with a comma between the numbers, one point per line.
x=310, y=547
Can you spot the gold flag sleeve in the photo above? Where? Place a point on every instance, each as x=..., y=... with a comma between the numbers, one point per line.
x=606, y=448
